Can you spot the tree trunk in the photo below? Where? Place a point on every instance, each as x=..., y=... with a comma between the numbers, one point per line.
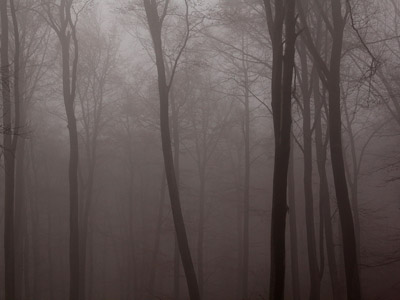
x=9, y=144
x=176, y=143
x=200, y=238
x=335, y=135
x=72, y=174
x=246, y=186
x=156, y=247
x=324, y=190
x=308, y=179
x=155, y=26
x=281, y=89
x=294, y=255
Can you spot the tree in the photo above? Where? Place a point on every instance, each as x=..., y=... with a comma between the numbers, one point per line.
x=155, y=22
x=97, y=64
x=330, y=76
x=10, y=139
x=59, y=17
x=281, y=93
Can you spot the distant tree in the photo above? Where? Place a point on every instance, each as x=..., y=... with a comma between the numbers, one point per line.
x=98, y=60
x=59, y=16
x=11, y=123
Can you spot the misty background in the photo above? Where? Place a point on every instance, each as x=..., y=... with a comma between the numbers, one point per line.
x=85, y=205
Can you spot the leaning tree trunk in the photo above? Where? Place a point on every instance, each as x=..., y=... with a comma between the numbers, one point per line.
x=339, y=174
x=324, y=190
x=155, y=25
x=156, y=247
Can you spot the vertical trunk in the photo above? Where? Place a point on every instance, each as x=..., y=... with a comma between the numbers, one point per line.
x=32, y=182
x=281, y=89
x=131, y=287
x=90, y=266
x=176, y=143
x=72, y=176
x=21, y=226
x=324, y=190
x=50, y=256
x=307, y=179
x=84, y=224
x=335, y=134
x=353, y=180
x=66, y=34
x=9, y=159
x=293, y=229
x=182, y=241
x=200, y=238
x=21, y=236
x=246, y=191
x=156, y=247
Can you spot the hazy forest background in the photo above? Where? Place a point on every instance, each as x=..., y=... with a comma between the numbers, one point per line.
x=200, y=149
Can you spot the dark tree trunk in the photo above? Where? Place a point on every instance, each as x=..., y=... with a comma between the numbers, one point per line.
x=200, y=238
x=294, y=255
x=331, y=78
x=321, y=148
x=10, y=138
x=176, y=144
x=156, y=247
x=72, y=173
x=339, y=175
x=246, y=186
x=281, y=89
x=155, y=25
x=307, y=179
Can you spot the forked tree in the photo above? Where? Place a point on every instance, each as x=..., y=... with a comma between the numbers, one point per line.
x=155, y=23
x=282, y=30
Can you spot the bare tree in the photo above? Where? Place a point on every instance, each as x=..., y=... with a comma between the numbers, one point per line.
x=10, y=139
x=155, y=22
x=60, y=19
x=330, y=76
x=281, y=92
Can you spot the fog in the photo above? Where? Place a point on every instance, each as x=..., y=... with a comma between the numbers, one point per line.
x=188, y=149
